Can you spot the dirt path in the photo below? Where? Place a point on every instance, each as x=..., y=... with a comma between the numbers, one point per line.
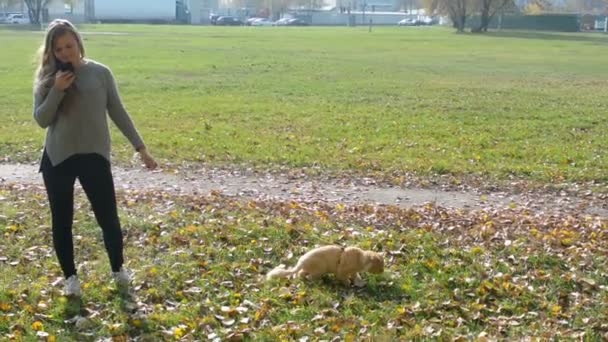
x=280, y=187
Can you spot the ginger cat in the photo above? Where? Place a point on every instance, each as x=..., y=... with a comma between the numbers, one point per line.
x=345, y=263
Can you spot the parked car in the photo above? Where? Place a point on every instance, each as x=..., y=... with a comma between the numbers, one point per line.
x=282, y=21
x=427, y=21
x=408, y=22
x=213, y=18
x=228, y=21
x=18, y=18
x=250, y=21
x=296, y=22
x=417, y=21
x=3, y=17
x=262, y=22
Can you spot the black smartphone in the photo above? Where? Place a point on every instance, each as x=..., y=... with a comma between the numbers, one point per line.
x=65, y=66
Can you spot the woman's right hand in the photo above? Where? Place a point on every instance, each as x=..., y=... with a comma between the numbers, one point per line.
x=64, y=79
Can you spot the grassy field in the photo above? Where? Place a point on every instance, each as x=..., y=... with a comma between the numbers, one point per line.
x=499, y=106
x=511, y=104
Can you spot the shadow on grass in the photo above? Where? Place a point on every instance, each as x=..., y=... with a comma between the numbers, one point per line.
x=543, y=35
x=74, y=307
x=128, y=302
x=377, y=291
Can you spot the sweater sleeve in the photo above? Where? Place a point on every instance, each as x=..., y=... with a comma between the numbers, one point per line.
x=119, y=115
x=45, y=107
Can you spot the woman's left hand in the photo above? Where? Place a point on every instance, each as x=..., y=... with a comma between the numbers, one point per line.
x=150, y=163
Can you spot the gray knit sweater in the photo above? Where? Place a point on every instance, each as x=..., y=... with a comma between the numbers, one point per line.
x=76, y=118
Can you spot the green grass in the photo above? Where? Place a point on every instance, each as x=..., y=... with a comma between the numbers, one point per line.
x=336, y=100
x=502, y=105
x=200, y=264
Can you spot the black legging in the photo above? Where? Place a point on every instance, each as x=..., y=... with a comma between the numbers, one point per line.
x=94, y=173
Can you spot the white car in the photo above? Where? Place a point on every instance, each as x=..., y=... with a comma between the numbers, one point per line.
x=408, y=22
x=17, y=19
x=282, y=22
x=262, y=22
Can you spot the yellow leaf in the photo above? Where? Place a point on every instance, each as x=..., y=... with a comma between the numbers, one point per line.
x=119, y=338
x=179, y=333
x=534, y=232
x=556, y=309
x=476, y=250
x=37, y=326
x=115, y=328
x=567, y=242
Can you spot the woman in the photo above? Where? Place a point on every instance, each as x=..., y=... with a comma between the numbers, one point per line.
x=71, y=97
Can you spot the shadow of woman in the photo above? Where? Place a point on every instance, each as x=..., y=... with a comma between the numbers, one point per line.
x=74, y=306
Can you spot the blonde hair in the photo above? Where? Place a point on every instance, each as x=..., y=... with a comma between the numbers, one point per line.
x=47, y=66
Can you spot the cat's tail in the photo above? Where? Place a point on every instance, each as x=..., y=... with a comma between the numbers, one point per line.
x=281, y=272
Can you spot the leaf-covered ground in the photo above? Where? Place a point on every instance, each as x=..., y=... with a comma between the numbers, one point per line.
x=199, y=264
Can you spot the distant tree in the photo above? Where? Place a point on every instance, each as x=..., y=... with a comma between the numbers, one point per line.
x=5, y=5
x=487, y=10
x=71, y=3
x=596, y=6
x=278, y=7
x=35, y=8
x=457, y=10
x=273, y=8
x=538, y=6
x=407, y=5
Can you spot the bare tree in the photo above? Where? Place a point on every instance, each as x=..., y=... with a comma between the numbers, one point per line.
x=489, y=8
x=5, y=5
x=35, y=8
x=71, y=3
x=409, y=5
x=278, y=7
x=457, y=10
x=593, y=6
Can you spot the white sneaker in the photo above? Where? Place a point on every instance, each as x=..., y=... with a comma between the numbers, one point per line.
x=122, y=279
x=72, y=287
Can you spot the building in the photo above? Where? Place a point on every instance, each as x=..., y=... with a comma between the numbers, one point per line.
x=110, y=10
